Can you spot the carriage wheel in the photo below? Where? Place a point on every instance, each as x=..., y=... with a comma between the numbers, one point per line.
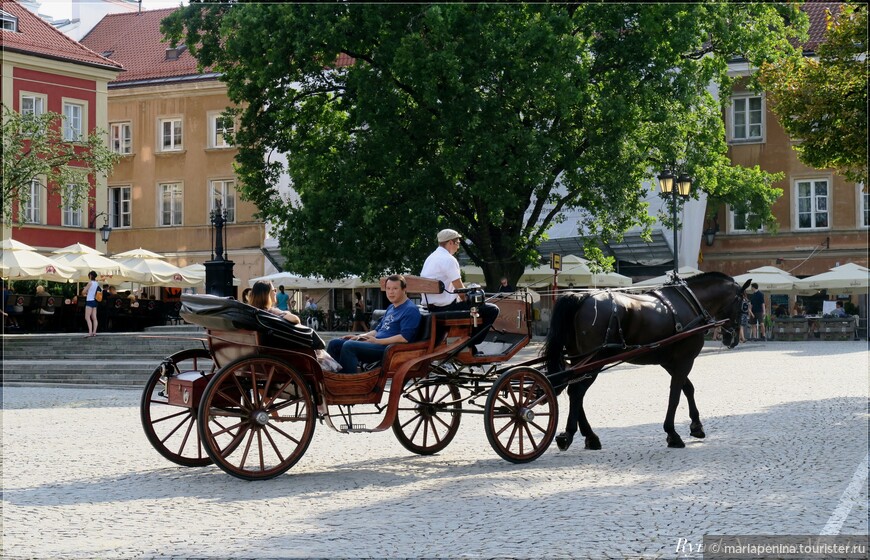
x=427, y=422
x=172, y=429
x=256, y=418
x=521, y=414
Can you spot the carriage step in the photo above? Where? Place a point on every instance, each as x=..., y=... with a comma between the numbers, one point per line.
x=345, y=429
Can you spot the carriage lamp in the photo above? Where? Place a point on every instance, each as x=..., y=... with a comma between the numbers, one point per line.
x=105, y=232
x=681, y=186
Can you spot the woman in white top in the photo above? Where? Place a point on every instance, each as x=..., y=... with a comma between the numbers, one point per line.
x=91, y=303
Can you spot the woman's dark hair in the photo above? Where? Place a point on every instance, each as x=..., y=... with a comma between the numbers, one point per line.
x=261, y=295
x=92, y=275
x=358, y=295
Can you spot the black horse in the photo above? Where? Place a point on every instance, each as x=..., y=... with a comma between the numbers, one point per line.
x=604, y=324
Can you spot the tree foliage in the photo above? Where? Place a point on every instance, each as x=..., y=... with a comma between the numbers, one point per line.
x=34, y=148
x=491, y=119
x=822, y=101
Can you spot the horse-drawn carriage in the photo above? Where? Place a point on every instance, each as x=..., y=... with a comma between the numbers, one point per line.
x=249, y=401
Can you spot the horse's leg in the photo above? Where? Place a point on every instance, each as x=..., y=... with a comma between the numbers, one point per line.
x=563, y=440
x=577, y=417
x=695, y=428
x=677, y=382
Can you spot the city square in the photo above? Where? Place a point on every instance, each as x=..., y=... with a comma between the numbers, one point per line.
x=785, y=454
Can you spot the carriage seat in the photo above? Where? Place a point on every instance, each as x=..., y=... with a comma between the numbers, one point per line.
x=226, y=314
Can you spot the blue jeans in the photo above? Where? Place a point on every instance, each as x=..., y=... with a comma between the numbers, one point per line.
x=349, y=353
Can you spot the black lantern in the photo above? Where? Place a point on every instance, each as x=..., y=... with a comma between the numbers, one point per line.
x=682, y=188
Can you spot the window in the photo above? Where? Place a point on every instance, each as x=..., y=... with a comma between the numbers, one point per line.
x=32, y=104
x=224, y=191
x=170, y=135
x=220, y=127
x=72, y=217
x=171, y=204
x=121, y=138
x=747, y=119
x=120, y=204
x=73, y=124
x=864, y=205
x=740, y=222
x=8, y=21
x=33, y=207
x=812, y=203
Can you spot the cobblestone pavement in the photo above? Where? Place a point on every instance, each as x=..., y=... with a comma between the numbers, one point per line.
x=786, y=453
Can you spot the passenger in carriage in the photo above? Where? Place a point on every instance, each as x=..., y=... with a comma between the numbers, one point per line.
x=263, y=297
x=398, y=326
x=442, y=265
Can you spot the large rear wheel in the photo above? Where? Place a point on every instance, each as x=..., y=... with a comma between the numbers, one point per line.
x=172, y=429
x=428, y=416
x=256, y=418
x=521, y=414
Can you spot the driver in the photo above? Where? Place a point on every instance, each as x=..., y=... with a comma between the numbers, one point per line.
x=442, y=265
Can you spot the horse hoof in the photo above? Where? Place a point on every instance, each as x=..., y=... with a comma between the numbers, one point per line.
x=697, y=430
x=563, y=441
x=593, y=443
x=675, y=442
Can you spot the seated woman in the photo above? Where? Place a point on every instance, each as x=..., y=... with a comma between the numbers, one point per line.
x=399, y=325
x=262, y=296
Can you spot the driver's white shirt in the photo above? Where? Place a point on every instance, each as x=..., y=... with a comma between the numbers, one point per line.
x=441, y=265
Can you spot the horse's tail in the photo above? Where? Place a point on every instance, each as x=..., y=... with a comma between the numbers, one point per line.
x=561, y=325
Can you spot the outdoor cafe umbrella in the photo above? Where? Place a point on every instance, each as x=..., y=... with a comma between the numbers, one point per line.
x=296, y=282
x=156, y=272
x=85, y=259
x=610, y=280
x=769, y=279
x=139, y=253
x=22, y=262
x=844, y=279
x=684, y=272
x=574, y=271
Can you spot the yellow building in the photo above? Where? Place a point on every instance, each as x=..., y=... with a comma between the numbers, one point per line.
x=165, y=119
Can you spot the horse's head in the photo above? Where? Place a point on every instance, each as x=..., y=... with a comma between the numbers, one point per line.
x=721, y=297
x=731, y=329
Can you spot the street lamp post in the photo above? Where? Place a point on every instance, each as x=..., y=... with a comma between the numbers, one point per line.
x=681, y=187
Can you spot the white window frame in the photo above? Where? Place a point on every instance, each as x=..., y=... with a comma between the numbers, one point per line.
x=227, y=188
x=8, y=22
x=744, y=99
x=38, y=100
x=813, y=182
x=863, y=205
x=173, y=215
x=176, y=134
x=69, y=216
x=732, y=223
x=75, y=127
x=216, y=137
x=121, y=138
x=120, y=211
x=32, y=210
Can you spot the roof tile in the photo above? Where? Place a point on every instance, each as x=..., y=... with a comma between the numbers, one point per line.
x=40, y=38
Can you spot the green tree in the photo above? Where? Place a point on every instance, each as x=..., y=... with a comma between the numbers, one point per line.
x=823, y=101
x=491, y=119
x=34, y=148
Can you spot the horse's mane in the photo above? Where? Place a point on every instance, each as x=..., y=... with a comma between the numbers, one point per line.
x=712, y=275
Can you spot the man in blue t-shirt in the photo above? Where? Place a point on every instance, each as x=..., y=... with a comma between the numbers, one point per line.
x=399, y=325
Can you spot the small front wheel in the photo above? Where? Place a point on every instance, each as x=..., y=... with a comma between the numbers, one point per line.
x=428, y=416
x=521, y=414
x=256, y=418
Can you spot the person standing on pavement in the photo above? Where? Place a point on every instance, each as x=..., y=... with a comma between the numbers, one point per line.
x=756, y=300
x=90, y=293
x=442, y=265
x=282, y=299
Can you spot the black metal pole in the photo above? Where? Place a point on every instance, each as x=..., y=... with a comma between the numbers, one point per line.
x=674, y=211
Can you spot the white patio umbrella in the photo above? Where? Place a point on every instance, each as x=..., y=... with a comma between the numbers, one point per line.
x=85, y=259
x=684, y=272
x=20, y=263
x=139, y=253
x=574, y=271
x=769, y=279
x=610, y=280
x=845, y=279
x=296, y=282
x=155, y=272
